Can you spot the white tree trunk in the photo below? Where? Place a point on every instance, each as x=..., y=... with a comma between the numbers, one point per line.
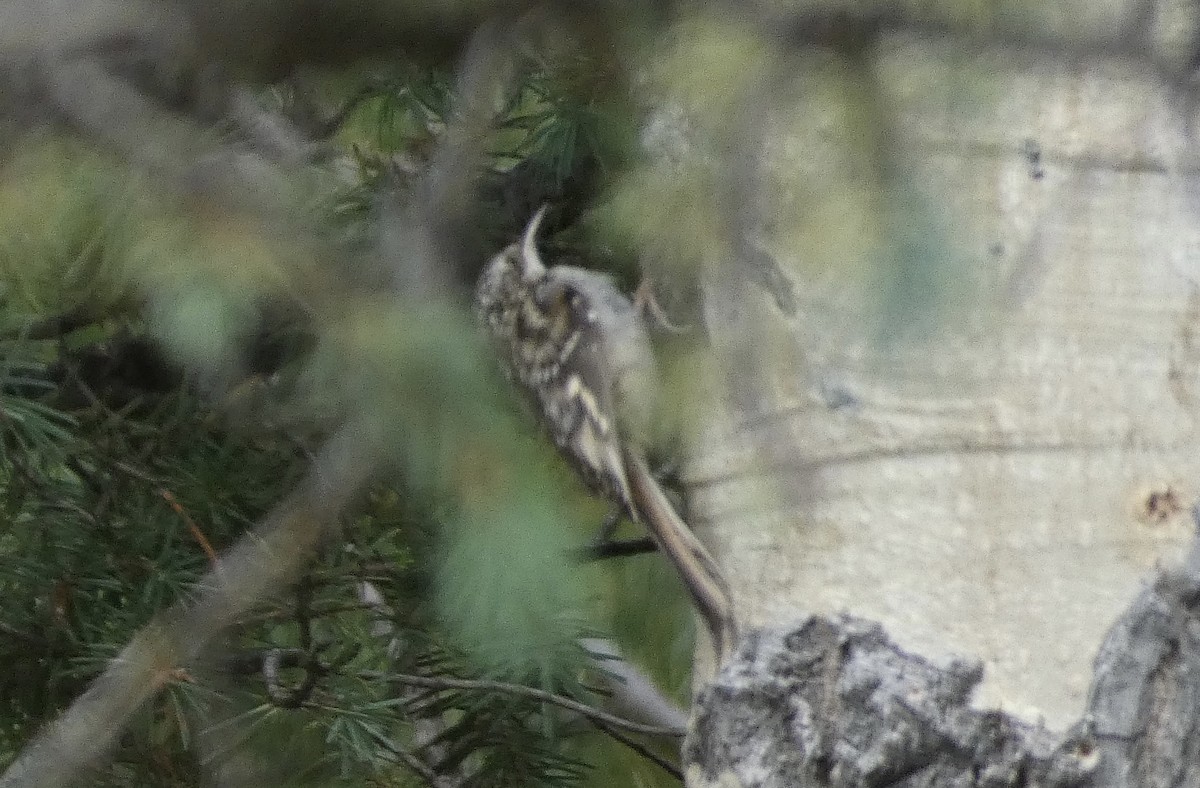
x=1000, y=483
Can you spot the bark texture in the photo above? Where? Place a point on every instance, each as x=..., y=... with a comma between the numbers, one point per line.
x=834, y=702
x=978, y=426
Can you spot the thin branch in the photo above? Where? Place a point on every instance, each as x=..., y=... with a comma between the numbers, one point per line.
x=641, y=750
x=274, y=614
x=487, y=685
x=419, y=767
x=615, y=548
x=196, y=532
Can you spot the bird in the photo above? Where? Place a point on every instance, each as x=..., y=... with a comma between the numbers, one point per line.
x=580, y=351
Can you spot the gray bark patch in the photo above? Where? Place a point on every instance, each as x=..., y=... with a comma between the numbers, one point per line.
x=833, y=702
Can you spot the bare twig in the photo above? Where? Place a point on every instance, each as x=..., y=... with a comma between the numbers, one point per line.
x=414, y=763
x=486, y=685
x=641, y=750
x=194, y=529
x=616, y=548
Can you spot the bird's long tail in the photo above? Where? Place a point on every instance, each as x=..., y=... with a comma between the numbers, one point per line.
x=696, y=567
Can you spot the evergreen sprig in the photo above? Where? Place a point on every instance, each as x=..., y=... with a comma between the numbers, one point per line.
x=122, y=478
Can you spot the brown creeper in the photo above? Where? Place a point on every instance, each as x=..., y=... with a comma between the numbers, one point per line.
x=579, y=350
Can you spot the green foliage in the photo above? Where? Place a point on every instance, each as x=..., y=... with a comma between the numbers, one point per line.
x=509, y=591
x=138, y=444
x=64, y=230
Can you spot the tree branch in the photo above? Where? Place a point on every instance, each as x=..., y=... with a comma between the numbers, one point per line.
x=262, y=563
x=615, y=548
x=485, y=685
x=418, y=766
x=641, y=750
